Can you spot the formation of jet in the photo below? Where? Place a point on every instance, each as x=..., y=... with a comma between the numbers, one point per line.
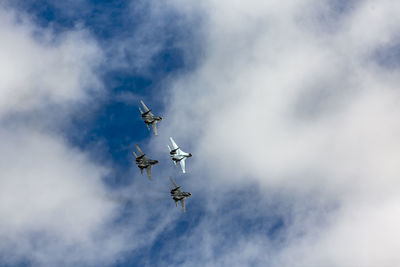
x=178, y=195
x=178, y=155
x=149, y=118
x=144, y=162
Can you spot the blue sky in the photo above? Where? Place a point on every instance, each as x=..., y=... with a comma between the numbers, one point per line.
x=114, y=121
x=115, y=124
x=289, y=110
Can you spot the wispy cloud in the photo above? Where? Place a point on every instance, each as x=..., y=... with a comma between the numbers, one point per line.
x=290, y=113
x=295, y=101
x=53, y=201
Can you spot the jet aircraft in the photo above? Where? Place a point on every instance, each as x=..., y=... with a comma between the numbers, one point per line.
x=149, y=118
x=178, y=195
x=178, y=155
x=144, y=162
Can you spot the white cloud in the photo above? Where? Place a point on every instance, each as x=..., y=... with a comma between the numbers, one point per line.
x=52, y=199
x=298, y=103
x=288, y=96
x=54, y=208
x=40, y=67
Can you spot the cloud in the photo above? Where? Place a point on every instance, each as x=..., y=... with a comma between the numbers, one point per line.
x=290, y=114
x=41, y=67
x=52, y=200
x=54, y=207
x=291, y=96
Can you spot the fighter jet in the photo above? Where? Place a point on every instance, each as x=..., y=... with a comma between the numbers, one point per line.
x=144, y=162
x=178, y=195
x=178, y=155
x=149, y=118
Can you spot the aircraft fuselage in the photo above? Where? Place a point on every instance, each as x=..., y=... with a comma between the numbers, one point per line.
x=144, y=163
x=176, y=195
x=149, y=119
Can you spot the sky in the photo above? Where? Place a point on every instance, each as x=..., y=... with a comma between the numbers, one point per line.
x=290, y=110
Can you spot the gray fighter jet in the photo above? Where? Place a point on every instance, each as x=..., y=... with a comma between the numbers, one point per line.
x=149, y=118
x=178, y=155
x=144, y=162
x=178, y=195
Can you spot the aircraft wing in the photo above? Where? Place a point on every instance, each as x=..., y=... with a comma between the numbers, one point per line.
x=148, y=170
x=144, y=106
x=139, y=150
x=182, y=162
x=173, y=182
x=154, y=126
x=174, y=145
x=183, y=205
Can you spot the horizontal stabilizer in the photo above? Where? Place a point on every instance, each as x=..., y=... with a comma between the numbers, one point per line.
x=148, y=170
x=154, y=126
x=183, y=205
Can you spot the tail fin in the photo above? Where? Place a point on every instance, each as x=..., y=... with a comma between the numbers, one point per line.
x=141, y=111
x=134, y=154
x=169, y=148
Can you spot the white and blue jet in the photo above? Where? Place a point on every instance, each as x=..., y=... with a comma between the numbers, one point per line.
x=178, y=155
